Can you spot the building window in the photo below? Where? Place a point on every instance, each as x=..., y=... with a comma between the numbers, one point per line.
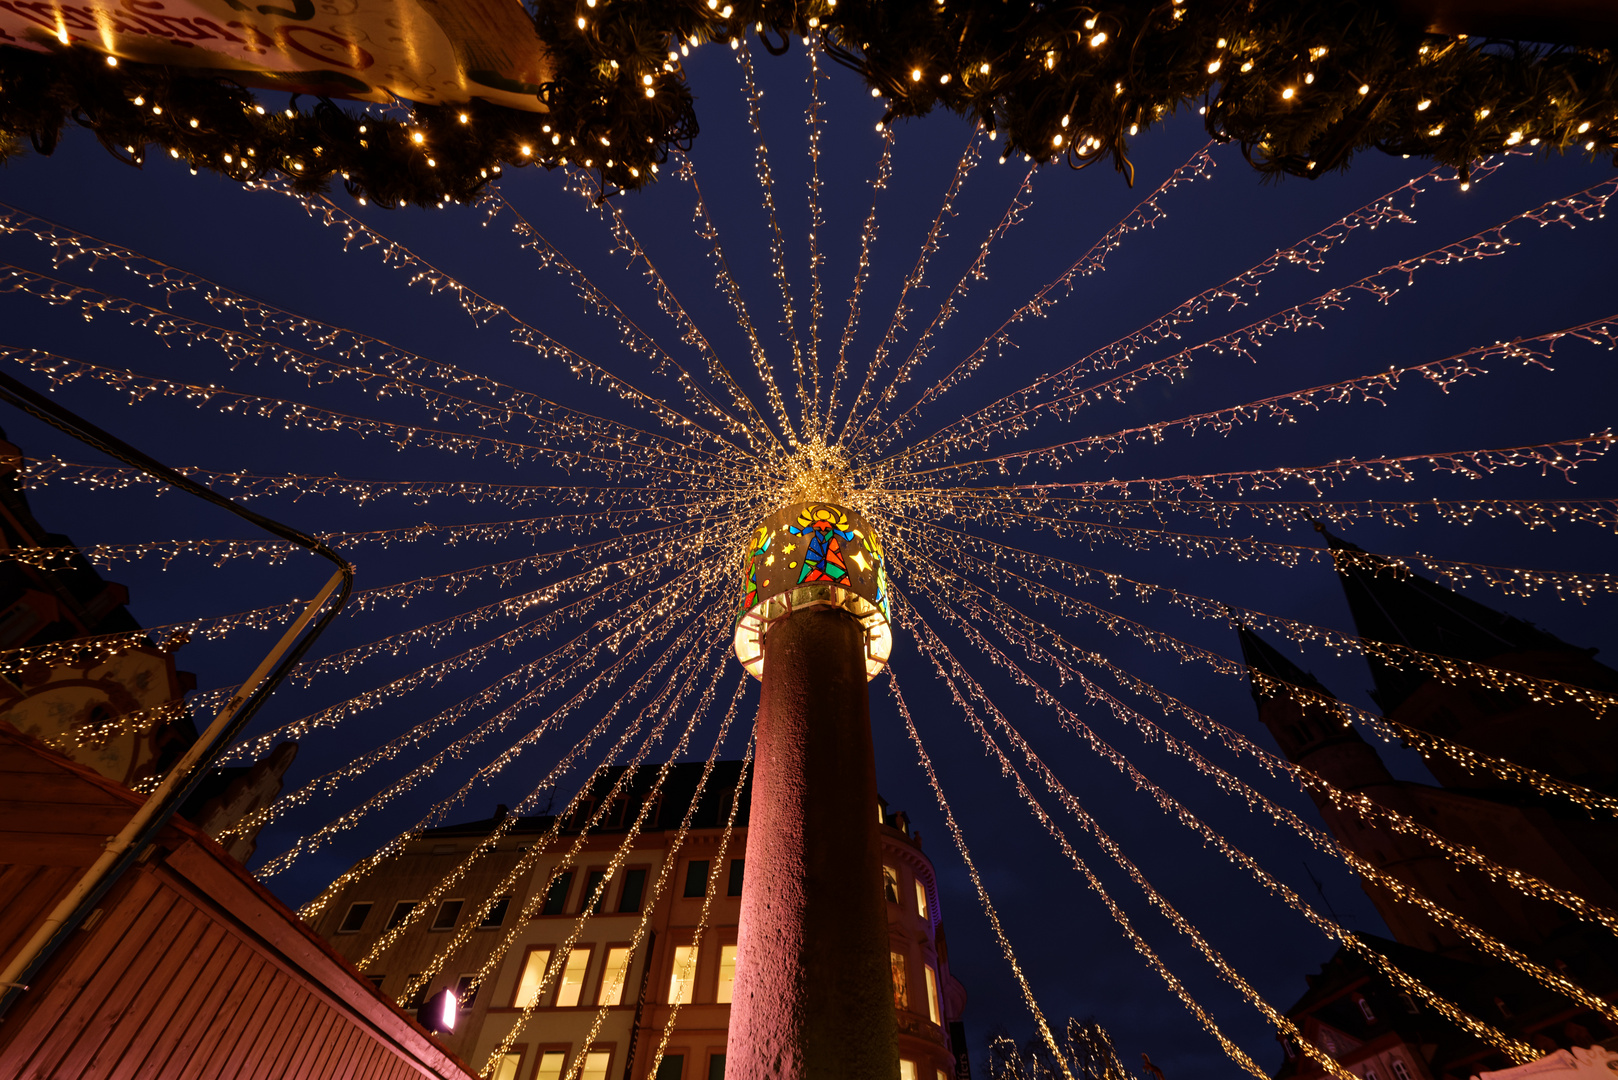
x=578, y=962
x=354, y=919
x=901, y=985
x=556, y=894
x=735, y=889
x=591, y=883
x=595, y=1065
x=670, y=1067
x=1410, y=1004
x=634, y=885
x=1399, y=1070
x=1365, y=1011
x=682, y=974
x=617, y=812
x=907, y=1070
x=419, y=998
x=921, y=899
x=890, y=884
x=1505, y=1010
x=465, y=991
x=375, y=980
x=932, y=992
x=613, y=973
x=449, y=913
x=401, y=912
x=942, y=1075
x=533, y=973
x=727, y=974
x=497, y=913
x=716, y=1067
x=550, y=1065
x=696, y=877
x=510, y=1067
x=1370, y=1074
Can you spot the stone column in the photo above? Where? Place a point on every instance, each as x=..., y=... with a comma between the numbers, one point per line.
x=813, y=996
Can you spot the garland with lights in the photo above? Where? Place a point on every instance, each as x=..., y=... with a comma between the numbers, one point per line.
x=1301, y=87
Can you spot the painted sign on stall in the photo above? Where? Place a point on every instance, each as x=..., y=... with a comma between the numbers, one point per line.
x=428, y=51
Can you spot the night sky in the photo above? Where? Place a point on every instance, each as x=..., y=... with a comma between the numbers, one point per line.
x=1077, y=961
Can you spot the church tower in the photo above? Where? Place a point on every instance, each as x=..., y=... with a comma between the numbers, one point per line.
x=1391, y=604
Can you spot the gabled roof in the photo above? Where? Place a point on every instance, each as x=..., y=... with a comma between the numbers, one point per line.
x=1391, y=603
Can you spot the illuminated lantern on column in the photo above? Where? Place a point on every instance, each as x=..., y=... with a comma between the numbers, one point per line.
x=813, y=996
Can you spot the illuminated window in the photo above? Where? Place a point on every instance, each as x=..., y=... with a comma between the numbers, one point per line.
x=921, y=899
x=556, y=895
x=901, y=985
x=942, y=1075
x=683, y=975
x=696, y=877
x=449, y=913
x=578, y=961
x=510, y=1067
x=595, y=1065
x=727, y=974
x=533, y=970
x=932, y=992
x=612, y=977
x=355, y=918
x=401, y=912
x=907, y=1070
x=550, y=1065
x=890, y=884
x=496, y=915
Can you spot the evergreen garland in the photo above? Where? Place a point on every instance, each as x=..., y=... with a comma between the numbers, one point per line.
x=1301, y=85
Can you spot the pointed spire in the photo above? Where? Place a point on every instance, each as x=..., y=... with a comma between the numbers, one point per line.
x=1262, y=657
x=1391, y=603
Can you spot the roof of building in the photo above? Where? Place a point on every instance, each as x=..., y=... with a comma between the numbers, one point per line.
x=1262, y=657
x=1391, y=603
x=679, y=790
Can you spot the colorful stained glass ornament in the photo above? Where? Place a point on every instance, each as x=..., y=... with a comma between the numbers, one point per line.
x=813, y=555
x=826, y=527
x=756, y=549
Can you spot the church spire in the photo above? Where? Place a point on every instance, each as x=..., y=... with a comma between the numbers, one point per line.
x=1391, y=603
x=1262, y=658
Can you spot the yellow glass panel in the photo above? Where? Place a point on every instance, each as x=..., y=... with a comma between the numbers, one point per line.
x=727, y=973
x=932, y=993
x=573, y=978
x=532, y=972
x=907, y=1070
x=683, y=975
x=595, y=1065
x=921, y=899
x=901, y=984
x=612, y=977
x=510, y=1065
x=550, y=1065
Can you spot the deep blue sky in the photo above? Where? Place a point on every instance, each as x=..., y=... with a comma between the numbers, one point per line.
x=1077, y=961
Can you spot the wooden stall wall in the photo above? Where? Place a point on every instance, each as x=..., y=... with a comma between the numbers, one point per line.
x=191, y=969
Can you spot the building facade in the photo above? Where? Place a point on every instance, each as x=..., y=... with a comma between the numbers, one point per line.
x=1349, y=1011
x=638, y=987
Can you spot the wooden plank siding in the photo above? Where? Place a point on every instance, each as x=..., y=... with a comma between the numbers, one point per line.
x=190, y=971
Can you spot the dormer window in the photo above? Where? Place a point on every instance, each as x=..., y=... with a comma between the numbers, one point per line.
x=1365, y=1010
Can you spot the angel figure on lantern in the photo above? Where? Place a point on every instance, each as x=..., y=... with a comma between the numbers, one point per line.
x=827, y=529
x=755, y=552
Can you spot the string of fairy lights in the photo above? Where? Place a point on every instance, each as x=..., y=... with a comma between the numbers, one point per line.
x=605, y=641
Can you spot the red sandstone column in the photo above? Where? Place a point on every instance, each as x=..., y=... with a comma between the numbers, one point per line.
x=813, y=996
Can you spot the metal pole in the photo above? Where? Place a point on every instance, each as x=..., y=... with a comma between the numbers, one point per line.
x=813, y=998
